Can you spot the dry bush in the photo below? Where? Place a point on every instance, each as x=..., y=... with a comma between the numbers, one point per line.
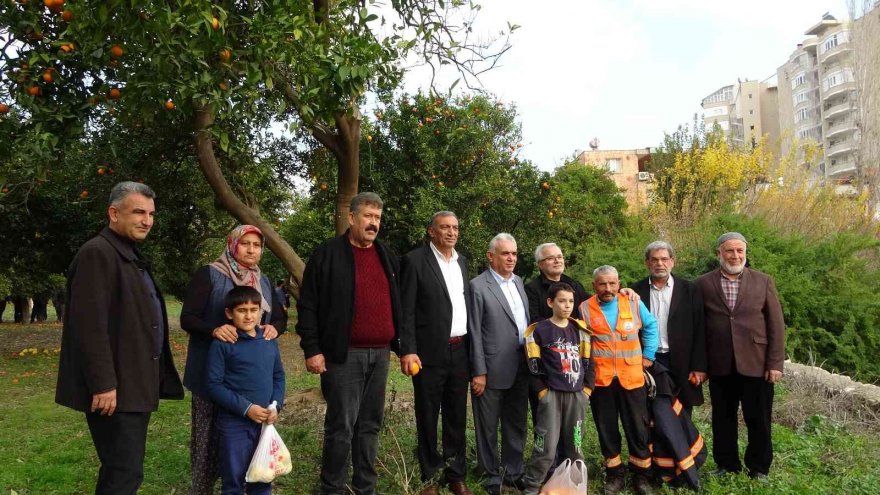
x=806, y=397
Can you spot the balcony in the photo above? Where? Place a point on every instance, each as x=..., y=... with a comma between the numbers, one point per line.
x=839, y=149
x=840, y=169
x=834, y=111
x=839, y=89
x=840, y=128
x=834, y=53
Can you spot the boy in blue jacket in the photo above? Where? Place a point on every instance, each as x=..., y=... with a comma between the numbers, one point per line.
x=243, y=379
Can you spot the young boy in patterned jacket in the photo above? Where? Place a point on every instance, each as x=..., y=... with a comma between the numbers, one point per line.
x=558, y=352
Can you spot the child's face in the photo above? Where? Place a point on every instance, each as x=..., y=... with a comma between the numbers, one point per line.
x=562, y=304
x=245, y=316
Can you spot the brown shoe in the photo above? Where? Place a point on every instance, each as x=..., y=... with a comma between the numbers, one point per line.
x=460, y=488
x=430, y=490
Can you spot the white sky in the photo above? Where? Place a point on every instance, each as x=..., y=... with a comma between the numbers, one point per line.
x=626, y=71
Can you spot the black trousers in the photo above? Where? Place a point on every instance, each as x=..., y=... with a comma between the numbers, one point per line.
x=437, y=388
x=663, y=358
x=631, y=407
x=120, y=440
x=756, y=396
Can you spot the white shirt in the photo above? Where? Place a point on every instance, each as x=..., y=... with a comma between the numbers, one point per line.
x=511, y=293
x=455, y=287
x=660, y=300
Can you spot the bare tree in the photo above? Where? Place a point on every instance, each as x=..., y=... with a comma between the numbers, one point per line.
x=865, y=36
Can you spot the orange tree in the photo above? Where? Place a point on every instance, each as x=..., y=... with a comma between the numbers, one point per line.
x=221, y=73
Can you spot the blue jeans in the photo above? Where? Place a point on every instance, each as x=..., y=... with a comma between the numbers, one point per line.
x=237, y=438
x=355, y=395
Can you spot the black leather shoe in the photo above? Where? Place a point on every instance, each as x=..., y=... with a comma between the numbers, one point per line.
x=518, y=483
x=493, y=489
x=614, y=485
x=722, y=471
x=763, y=478
x=642, y=485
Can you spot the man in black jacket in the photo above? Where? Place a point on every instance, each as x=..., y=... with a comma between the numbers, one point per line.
x=434, y=338
x=678, y=306
x=348, y=319
x=115, y=361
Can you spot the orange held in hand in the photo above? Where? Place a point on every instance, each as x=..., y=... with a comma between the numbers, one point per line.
x=414, y=369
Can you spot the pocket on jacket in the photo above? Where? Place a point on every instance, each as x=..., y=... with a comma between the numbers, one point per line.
x=633, y=360
x=759, y=339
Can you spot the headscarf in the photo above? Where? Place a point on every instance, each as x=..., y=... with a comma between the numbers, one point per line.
x=237, y=272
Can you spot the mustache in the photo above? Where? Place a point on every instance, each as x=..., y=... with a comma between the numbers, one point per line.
x=372, y=228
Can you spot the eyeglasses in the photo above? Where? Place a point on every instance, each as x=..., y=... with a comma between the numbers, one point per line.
x=553, y=258
x=654, y=261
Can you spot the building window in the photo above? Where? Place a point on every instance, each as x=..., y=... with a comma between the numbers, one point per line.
x=800, y=97
x=798, y=80
x=836, y=78
x=801, y=114
x=835, y=40
x=613, y=165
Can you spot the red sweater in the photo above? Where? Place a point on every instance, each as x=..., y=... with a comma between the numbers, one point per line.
x=372, y=324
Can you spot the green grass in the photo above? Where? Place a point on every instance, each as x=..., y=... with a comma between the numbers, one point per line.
x=46, y=449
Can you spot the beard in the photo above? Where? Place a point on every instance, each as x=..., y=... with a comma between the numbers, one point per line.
x=731, y=269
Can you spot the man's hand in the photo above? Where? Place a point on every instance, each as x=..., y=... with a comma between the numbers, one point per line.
x=105, y=402
x=406, y=362
x=697, y=377
x=225, y=333
x=647, y=363
x=630, y=294
x=773, y=376
x=269, y=332
x=315, y=364
x=478, y=385
x=258, y=414
x=273, y=416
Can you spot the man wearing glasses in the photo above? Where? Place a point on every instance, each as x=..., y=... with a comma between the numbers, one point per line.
x=551, y=264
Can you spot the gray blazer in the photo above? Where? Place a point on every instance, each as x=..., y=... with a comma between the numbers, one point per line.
x=495, y=349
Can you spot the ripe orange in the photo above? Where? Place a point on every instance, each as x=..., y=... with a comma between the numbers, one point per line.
x=100, y=170
x=47, y=75
x=225, y=55
x=4, y=108
x=34, y=91
x=84, y=194
x=369, y=138
x=215, y=23
x=114, y=93
x=224, y=86
x=67, y=16
x=414, y=369
x=169, y=105
x=116, y=51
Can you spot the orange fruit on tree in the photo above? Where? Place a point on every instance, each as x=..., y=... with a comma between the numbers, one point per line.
x=224, y=85
x=225, y=55
x=169, y=105
x=100, y=170
x=116, y=51
x=215, y=23
x=67, y=15
x=34, y=91
x=4, y=108
x=114, y=93
x=47, y=75
x=84, y=194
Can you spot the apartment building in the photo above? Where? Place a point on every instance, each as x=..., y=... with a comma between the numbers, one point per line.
x=628, y=170
x=818, y=100
x=745, y=111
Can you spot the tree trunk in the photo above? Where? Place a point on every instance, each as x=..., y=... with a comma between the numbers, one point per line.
x=349, y=135
x=227, y=199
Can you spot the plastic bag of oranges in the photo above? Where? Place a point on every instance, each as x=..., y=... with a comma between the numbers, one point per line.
x=271, y=459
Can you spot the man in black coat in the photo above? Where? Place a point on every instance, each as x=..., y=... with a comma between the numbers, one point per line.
x=678, y=306
x=115, y=361
x=348, y=320
x=551, y=264
x=436, y=295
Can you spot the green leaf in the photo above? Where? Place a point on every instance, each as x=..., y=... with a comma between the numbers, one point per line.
x=297, y=34
x=269, y=83
x=224, y=142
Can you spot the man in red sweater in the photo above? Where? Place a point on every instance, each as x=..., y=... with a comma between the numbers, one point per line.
x=349, y=313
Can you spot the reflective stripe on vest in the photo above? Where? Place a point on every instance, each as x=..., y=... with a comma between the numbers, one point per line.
x=618, y=352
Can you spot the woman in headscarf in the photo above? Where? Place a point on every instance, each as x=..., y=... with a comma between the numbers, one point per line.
x=204, y=319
